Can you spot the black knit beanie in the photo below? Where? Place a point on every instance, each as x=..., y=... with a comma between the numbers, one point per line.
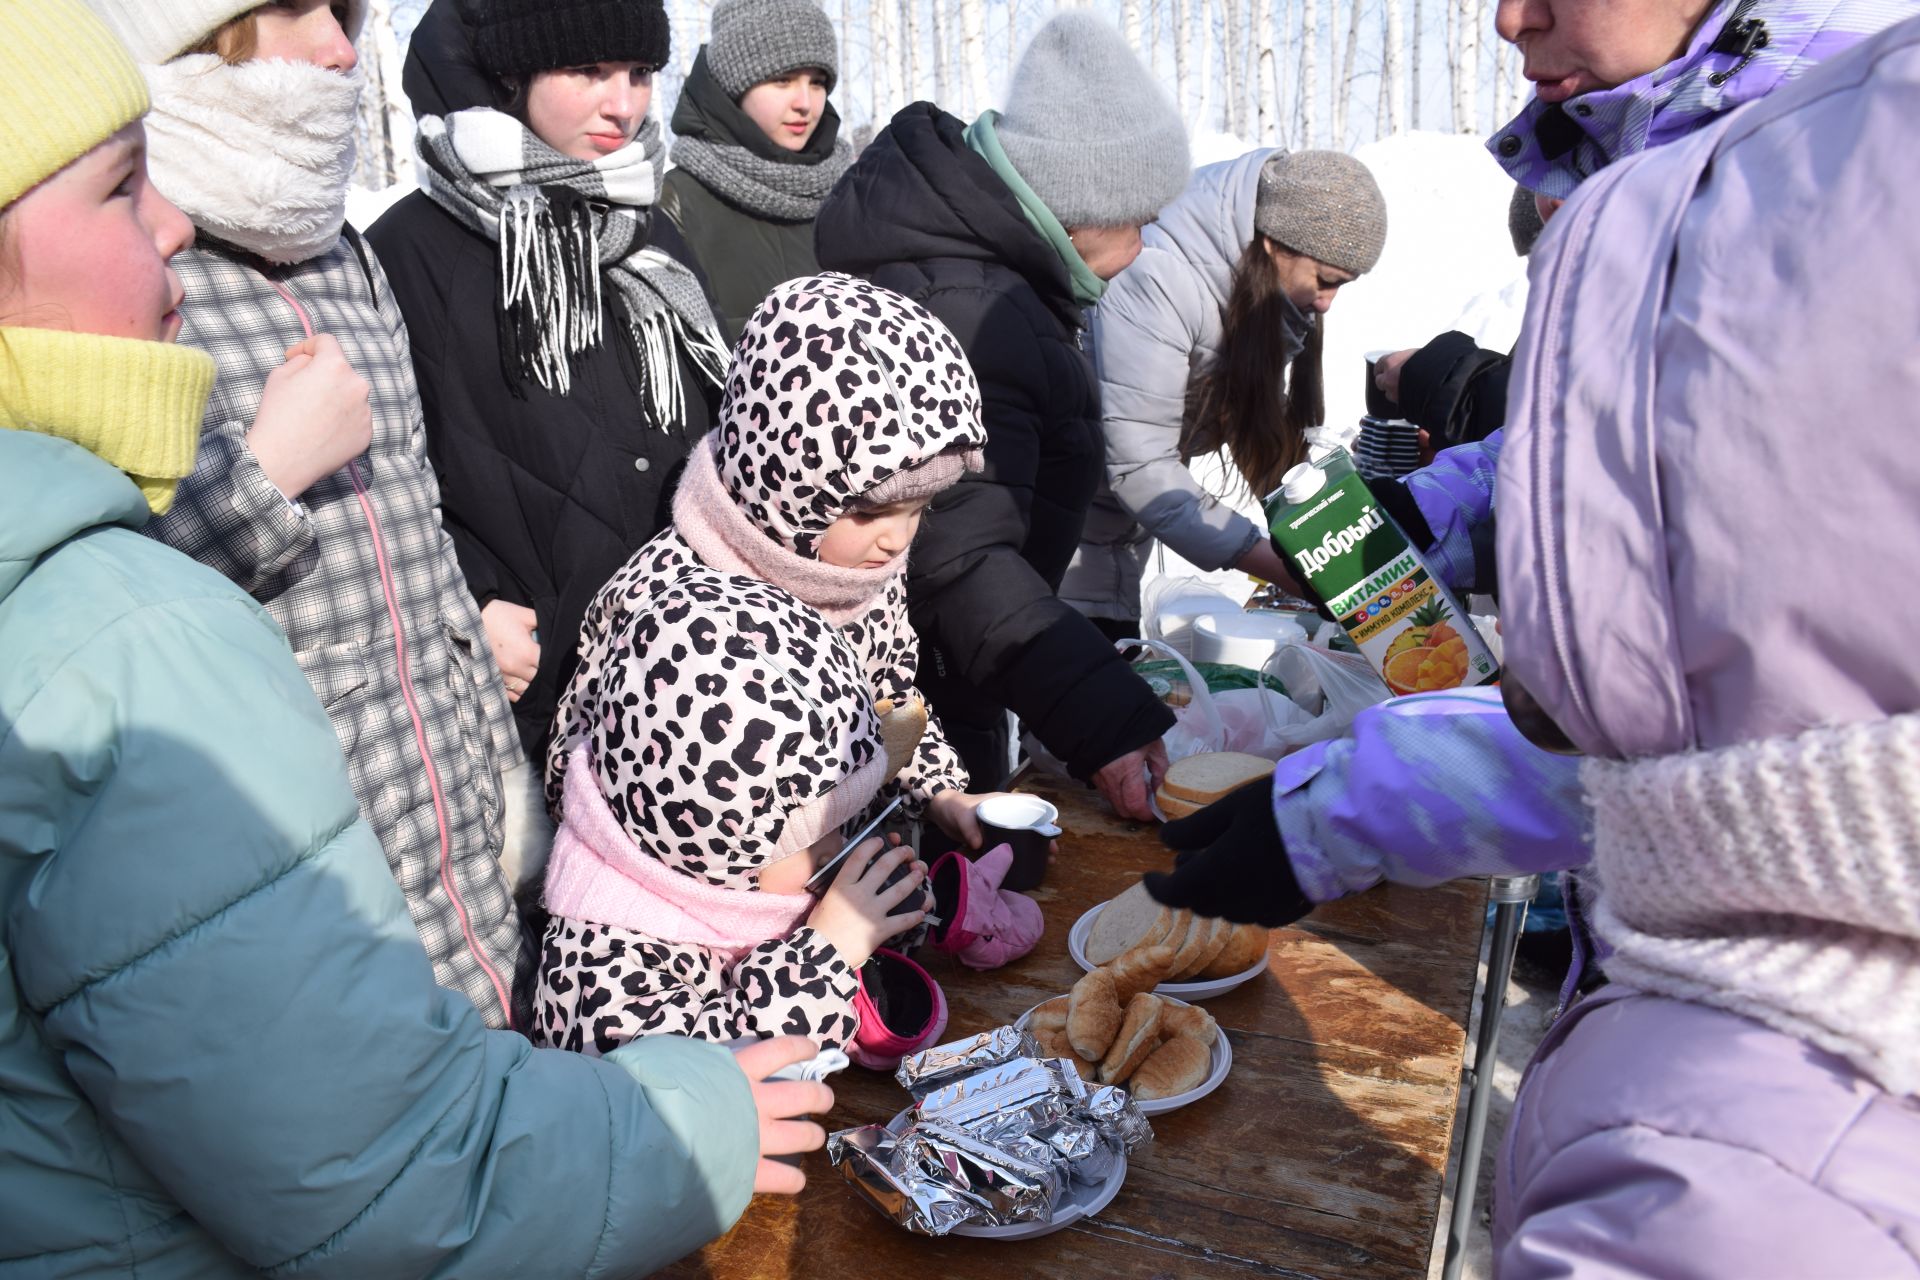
x=520, y=37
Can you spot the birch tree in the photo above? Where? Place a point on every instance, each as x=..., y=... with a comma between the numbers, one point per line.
x=1268, y=65
x=1413, y=86
x=1393, y=87
x=972, y=78
x=883, y=23
x=910, y=62
x=1309, y=69
x=1466, y=66
x=942, y=56
x=1129, y=24
x=385, y=125
x=1206, y=62
x=1233, y=118
x=1182, y=52
x=1343, y=98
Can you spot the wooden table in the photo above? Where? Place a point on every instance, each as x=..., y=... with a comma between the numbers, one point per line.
x=1323, y=1154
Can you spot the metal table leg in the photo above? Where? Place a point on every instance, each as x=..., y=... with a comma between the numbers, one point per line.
x=1510, y=896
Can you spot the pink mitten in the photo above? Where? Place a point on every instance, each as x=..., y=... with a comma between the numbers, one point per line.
x=985, y=926
x=901, y=1010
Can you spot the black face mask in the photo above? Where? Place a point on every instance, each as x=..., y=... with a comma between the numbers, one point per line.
x=1535, y=725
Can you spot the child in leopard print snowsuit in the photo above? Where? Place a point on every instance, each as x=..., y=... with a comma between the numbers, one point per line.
x=721, y=730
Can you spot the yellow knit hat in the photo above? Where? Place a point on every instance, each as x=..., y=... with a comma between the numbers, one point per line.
x=66, y=85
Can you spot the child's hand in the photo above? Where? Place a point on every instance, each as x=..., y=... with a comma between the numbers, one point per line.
x=313, y=419
x=778, y=1102
x=852, y=914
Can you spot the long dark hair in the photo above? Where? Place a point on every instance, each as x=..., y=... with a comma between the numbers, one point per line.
x=1237, y=400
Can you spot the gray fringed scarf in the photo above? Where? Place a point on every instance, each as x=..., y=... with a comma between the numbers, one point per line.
x=764, y=188
x=559, y=223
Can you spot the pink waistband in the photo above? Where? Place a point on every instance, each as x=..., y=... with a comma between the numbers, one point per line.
x=596, y=873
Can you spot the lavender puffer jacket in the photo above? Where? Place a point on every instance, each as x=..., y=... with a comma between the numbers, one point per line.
x=1664, y=1136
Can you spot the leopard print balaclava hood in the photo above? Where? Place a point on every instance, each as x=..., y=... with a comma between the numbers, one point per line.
x=737, y=729
x=839, y=389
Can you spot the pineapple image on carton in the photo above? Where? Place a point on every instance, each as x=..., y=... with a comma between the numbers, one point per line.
x=1336, y=537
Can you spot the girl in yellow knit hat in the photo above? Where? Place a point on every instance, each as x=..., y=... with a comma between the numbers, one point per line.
x=222, y=1046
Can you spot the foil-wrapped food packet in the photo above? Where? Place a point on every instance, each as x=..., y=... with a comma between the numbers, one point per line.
x=1010, y=1187
x=997, y=1136
x=927, y=1205
x=1010, y=1086
x=924, y=1071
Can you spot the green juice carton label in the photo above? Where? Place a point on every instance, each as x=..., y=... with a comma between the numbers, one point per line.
x=1409, y=626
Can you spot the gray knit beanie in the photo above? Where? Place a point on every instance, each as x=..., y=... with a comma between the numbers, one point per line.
x=1324, y=204
x=1090, y=129
x=755, y=40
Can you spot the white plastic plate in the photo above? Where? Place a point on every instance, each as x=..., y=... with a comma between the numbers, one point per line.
x=1077, y=947
x=1082, y=1200
x=1222, y=1063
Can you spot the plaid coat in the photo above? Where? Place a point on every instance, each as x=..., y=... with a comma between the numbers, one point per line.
x=363, y=580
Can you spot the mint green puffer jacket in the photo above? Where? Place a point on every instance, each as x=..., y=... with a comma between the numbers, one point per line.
x=221, y=1046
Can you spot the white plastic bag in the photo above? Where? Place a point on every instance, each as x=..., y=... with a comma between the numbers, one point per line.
x=1255, y=721
x=1330, y=688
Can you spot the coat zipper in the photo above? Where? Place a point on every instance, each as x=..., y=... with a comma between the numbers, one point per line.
x=406, y=694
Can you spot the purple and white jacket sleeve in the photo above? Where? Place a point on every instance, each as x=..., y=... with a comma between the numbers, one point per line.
x=1427, y=789
x=1455, y=494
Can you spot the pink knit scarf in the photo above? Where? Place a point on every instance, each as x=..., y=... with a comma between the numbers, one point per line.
x=708, y=519
x=596, y=873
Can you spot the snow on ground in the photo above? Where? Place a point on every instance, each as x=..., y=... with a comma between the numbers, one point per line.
x=1448, y=264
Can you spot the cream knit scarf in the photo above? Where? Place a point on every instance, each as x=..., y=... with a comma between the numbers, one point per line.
x=1777, y=879
x=258, y=155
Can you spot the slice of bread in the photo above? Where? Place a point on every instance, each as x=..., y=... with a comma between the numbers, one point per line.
x=1175, y=808
x=1215, y=938
x=1202, y=779
x=1121, y=925
x=1247, y=944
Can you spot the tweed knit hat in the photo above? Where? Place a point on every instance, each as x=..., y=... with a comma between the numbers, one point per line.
x=157, y=31
x=755, y=40
x=519, y=37
x=66, y=86
x=1324, y=204
x=1091, y=162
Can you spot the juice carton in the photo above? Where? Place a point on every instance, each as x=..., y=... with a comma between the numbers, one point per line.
x=1409, y=626
x=1336, y=462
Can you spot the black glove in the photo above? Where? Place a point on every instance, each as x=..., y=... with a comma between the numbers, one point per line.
x=1230, y=863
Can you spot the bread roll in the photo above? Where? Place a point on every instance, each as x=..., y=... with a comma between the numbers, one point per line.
x=1178, y=1065
x=1051, y=1016
x=1093, y=1015
x=1201, y=779
x=1122, y=925
x=1139, y=1033
x=1190, y=1021
x=1141, y=969
x=1053, y=1044
x=901, y=727
x=1246, y=945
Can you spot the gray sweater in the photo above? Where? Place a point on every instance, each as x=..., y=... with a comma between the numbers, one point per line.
x=1157, y=324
